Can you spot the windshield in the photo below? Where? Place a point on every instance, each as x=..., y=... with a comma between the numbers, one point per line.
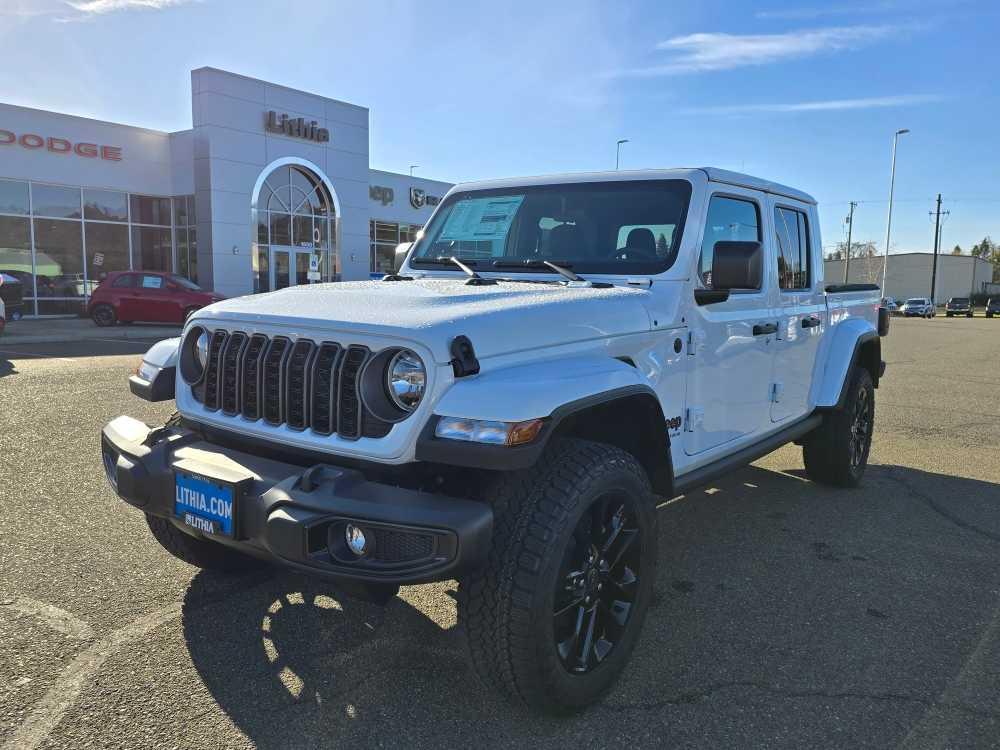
x=915, y=301
x=959, y=300
x=185, y=283
x=630, y=227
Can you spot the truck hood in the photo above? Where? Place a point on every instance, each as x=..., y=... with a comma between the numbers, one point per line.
x=499, y=319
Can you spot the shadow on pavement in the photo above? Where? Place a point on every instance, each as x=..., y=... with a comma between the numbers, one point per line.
x=6, y=366
x=786, y=614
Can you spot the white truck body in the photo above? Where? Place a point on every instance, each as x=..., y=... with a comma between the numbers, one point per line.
x=542, y=346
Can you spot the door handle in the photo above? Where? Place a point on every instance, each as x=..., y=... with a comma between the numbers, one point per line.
x=811, y=321
x=765, y=329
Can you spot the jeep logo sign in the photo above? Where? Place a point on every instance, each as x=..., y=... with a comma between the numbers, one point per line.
x=419, y=198
x=296, y=128
x=383, y=195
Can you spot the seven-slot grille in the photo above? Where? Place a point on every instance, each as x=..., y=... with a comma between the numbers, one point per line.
x=299, y=383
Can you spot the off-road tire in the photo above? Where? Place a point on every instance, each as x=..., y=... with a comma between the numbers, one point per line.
x=506, y=608
x=104, y=316
x=948, y=315
x=829, y=451
x=201, y=553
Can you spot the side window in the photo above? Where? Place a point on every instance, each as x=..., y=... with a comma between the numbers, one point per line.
x=152, y=282
x=125, y=281
x=728, y=219
x=791, y=231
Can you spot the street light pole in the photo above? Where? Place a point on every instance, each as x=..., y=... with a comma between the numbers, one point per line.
x=412, y=167
x=850, y=228
x=888, y=222
x=618, y=152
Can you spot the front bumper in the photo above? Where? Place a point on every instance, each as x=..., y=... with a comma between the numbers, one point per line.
x=287, y=512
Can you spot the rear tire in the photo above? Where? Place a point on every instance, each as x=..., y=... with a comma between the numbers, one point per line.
x=837, y=451
x=104, y=316
x=552, y=618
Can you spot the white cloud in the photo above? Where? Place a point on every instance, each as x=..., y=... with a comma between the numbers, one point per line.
x=100, y=7
x=829, y=105
x=695, y=53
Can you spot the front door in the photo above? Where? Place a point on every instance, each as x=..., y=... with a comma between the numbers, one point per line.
x=801, y=308
x=732, y=342
x=291, y=266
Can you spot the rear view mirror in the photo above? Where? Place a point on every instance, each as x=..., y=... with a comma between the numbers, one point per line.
x=737, y=265
x=402, y=249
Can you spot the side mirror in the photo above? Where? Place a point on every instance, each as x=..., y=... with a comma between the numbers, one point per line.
x=402, y=249
x=737, y=265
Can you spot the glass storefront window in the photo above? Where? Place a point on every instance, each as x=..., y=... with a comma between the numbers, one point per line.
x=281, y=229
x=13, y=197
x=107, y=250
x=105, y=205
x=150, y=210
x=55, y=201
x=180, y=238
x=302, y=231
x=180, y=211
x=151, y=250
x=59, y=266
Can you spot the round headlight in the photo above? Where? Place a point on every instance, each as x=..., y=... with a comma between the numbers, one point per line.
x=194, y=355
x=201, y=349
x=406, y=379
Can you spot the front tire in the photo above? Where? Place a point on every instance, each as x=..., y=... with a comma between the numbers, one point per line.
x=554, y=615
x=837, y=451
x=104, y=316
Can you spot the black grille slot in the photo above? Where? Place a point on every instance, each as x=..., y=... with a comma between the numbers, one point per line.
x=215, y=347
x=323, y=388
x=274, y=375
x=230, y=379
x=393, y=546
x=349, y=401
x=253, y=358
x=299, y=383
x=296, y=384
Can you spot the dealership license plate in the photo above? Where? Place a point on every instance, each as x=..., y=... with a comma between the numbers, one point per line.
x=204, y=504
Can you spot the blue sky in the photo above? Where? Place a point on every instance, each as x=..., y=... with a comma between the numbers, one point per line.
x=803, y=93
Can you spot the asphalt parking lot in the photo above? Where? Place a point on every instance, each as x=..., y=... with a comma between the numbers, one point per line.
x=788, y=615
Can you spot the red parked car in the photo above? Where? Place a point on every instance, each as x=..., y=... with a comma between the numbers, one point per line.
x=148, y=296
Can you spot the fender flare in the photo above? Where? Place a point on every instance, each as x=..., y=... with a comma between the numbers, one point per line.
x=553, y=390
x=157, y=376
x=853, y=335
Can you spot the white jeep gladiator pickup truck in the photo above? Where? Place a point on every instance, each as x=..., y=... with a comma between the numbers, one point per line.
x=552, y=355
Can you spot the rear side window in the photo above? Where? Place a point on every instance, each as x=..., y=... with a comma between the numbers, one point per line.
x=152, y=282
x=125, y=281
x=791, y=230
x=728, y=219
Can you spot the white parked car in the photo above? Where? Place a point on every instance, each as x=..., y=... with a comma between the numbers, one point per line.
x=918, y=307
x=553, y=354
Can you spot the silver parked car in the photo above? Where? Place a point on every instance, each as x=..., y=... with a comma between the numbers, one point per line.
x=918, y=306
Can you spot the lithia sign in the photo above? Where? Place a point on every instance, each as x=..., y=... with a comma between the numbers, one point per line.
x=295, y=127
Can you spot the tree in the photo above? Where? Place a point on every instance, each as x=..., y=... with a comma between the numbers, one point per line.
x=984, y=249
x=957, y=250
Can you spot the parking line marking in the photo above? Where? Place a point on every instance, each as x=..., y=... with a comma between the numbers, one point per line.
x=51, y=707
x=55, y=618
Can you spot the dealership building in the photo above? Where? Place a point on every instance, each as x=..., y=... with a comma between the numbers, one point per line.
x=910, y=274
x=271, y=187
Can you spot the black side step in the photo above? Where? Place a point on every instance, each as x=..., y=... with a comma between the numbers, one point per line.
x=705, y=474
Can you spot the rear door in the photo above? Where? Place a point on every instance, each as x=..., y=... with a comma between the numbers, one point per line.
x=731, y=342
x=801, y=306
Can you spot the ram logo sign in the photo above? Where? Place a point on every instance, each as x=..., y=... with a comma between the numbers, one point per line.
x=419, y=198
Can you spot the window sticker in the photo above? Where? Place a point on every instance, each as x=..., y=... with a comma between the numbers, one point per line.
x=481, y=219
x=152, y=282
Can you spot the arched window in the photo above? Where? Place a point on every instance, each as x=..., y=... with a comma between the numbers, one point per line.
x=295, y=217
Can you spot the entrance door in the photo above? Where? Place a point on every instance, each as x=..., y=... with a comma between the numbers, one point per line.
x=290, y=266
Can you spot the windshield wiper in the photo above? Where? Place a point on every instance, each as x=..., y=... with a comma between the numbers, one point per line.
x=444, y=260
x=474, y=278
x=562, y=268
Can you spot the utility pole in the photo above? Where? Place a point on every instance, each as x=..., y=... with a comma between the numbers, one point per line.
x=850, y=228
x=937, y=245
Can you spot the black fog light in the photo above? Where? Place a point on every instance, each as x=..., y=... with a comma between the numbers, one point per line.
x=348, y=541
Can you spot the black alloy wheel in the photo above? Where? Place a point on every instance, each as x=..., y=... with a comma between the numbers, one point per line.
x=104, y=316
x=861, y=428
x=597, y=584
